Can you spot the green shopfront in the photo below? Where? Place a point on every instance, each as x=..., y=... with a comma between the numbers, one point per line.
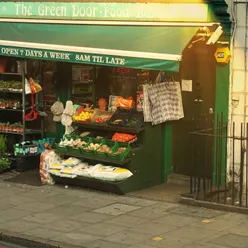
x=170, y=36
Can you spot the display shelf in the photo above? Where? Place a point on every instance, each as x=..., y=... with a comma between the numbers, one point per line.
x=11, y=91
x=27, y=131
x=92, y=183
x=11, y=110
x=11, y=73
x=95, y=158
x=106, y=127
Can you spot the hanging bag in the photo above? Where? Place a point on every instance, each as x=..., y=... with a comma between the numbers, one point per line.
x=33, y=115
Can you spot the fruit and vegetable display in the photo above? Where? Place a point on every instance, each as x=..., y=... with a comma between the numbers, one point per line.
x=101, y=116
x=72, y=143
x=14, y=127
x=119, y=151
x=105, y=148
x=15, y=86
x=93, y=146
x=123, y=137
x=9, y=104
x=83, y=116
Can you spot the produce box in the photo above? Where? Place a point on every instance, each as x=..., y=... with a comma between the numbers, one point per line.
x=101, y=116
x=61, y=148
x=91, y=146
x=84, y=116
x=105, y=148
x=77, y=144
x=114, y=154
x=120, y=117
x=26, y=149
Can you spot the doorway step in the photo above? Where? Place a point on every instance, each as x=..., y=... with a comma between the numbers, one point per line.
x=170, y=191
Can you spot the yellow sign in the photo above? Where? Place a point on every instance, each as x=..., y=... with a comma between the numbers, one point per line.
x=223, y=55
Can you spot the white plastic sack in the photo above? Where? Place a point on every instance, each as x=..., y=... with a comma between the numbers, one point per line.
x=110, y=173
x=70, y=162
x=85, y=171
x=71, y=170
x=56, y=166
x=54, y=172
x=67, y=175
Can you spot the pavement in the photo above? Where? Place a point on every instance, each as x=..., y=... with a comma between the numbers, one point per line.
x=75, y=217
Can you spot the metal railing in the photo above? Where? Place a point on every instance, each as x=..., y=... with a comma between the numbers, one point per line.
x=219, y=161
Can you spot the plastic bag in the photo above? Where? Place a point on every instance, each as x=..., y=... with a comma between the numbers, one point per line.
x=47, y=158
x=67, y=175
x=110, y=173
x=56, y=166
x=54, y=172
x=27, y=87
x=35, y=87
x=123, y=137
x=85, y=171
x=71, y=170
x=125, y=103
x=70, y=162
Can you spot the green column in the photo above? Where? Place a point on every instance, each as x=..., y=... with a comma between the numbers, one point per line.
x=221, y=106
x=167, y=151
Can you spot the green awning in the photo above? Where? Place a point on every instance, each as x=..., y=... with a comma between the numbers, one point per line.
x=141, y=47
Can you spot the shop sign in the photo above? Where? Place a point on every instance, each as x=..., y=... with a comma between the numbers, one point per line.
x=105, y=11
x=223, y=55
x=85, y=58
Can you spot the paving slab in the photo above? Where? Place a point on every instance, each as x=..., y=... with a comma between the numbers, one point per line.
x=231, y=241
x=6, y=205
x=152, y=228
x=66, y=225
x=203, y=246
x=136, y=201
x=127, y=237
x=90, y=217
x=116, y=209
x=164, y=241
x=215, y=224
x=16, y=199
x=102, y=229
x=176, y=220
x=75, y=238
x=202, y=213
x=41, y=232
x=151, y=212
x=105, y=244
x=127, y=220
x=41, y=218
x=18, y=226
x=192, y=233
x=67, y=210
x=58, y=200
x=241, y=229
x=94, y=202
x=12, y=214
x=142, y=246
x=34, y=207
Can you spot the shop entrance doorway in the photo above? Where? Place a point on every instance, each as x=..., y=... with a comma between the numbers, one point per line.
x=199, y=67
